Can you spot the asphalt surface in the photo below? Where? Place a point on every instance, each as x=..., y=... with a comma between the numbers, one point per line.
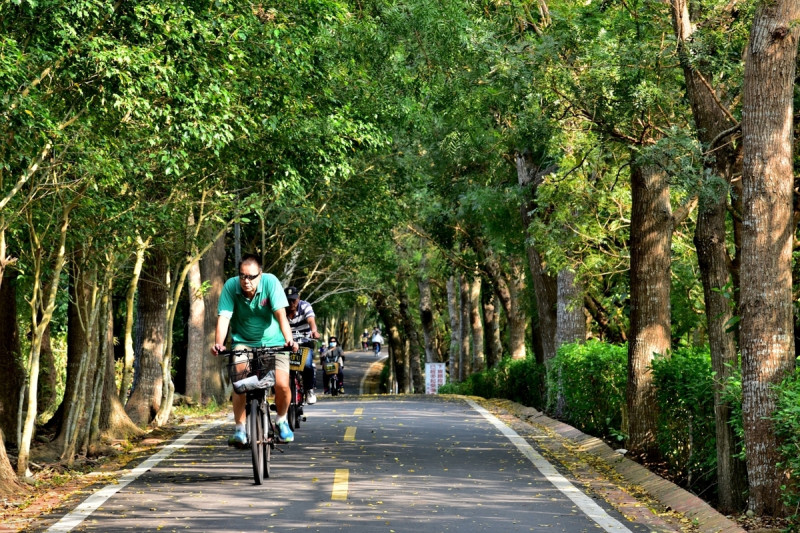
x=361, y=464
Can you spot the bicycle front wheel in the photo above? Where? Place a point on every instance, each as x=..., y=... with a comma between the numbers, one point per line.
x=267, y=445
x=255, y=422
x=291, y=414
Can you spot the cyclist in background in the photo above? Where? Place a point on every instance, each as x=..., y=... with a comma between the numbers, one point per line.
x=333, y=354
x=377, y=340
x=253, y=305
x=303, y=323
x=365, y=340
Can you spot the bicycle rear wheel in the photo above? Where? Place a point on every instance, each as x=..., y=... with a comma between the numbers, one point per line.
x=255, y=427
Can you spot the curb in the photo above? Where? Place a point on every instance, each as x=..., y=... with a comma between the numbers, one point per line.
x=704, y=517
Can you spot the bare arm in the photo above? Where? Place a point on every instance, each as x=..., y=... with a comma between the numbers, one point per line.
x=313, y=323
x=222, y=332
x=286, y=330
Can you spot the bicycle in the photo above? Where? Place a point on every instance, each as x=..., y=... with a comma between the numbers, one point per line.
x=252, y=372
x=331, y=370
x=297, y=361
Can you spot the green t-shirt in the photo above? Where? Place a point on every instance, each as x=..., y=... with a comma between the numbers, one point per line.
x=252, y=321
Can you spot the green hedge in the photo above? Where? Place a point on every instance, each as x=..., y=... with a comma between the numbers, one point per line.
x=520, y=380
x=593, y=377
x=686, y=432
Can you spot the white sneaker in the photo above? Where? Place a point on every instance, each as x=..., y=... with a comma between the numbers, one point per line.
x=311, y=398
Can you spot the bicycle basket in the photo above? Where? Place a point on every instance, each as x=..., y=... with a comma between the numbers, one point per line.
x=297, y=359
x=331, y=368
x=255, y=369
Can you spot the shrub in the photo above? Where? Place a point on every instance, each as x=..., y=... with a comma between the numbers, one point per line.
x=519, y=380
x=787, y=427
x=592, y=385
x=686, y=433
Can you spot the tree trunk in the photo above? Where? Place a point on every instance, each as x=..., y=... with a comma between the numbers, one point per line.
x=712, y=255
x=9, y=486
x=412, y=343
x=478, y=355
x=130, y=357
x=544, y=285
x=464, y=352
x=48, y=376
x=651, y=236
x=767, y=338
x=196, y=349
x=491, y=319
x=392, y=323
x=454, y=313
x=114, y=422
x=148, y=380
x=426, y=313
x=570, y=324
x=10, y=358
x=212, y=268
x=570, y=320
x=517, y=318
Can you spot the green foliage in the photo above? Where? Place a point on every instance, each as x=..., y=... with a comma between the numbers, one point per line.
x=519, y=380
x=787, y=427
x=591, y=378
x=686, y=428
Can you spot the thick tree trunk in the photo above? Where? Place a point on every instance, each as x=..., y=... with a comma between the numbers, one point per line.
x=196, y=348
x=9, y=486
x=517, y=317
x=412, y=346
x=454, y=313
x=426, y=313
x=710, y=240
x=767, y=337
x=544, y=285
x=10, y=367
x=478, y=355
x=392, y=337
x=651, y=237
x=491, y=320
x=213, y=272
x=570, y=323
x=148, y=380
x=464, y=352
x=570, y=320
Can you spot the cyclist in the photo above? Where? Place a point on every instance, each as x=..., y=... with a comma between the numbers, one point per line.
x=301, y=320
x=334, y=354
x=253, y=305
x=365, y=340
x=377, y=340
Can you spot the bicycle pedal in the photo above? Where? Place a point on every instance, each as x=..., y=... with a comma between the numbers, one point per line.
x=304, y=419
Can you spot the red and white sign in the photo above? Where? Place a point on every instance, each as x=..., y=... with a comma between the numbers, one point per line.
x=435, y=377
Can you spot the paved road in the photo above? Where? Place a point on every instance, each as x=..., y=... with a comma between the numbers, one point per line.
x=361, y=464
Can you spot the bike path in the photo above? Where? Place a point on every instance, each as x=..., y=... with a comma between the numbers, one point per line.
x=409, y=464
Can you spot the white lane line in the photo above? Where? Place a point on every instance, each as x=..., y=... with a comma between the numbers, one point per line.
x=90, y=504
x=586, y=504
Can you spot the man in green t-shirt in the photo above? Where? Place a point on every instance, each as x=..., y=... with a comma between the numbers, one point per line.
x=253, y=305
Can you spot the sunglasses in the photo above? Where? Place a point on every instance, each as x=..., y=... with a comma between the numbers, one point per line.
x=249, y=277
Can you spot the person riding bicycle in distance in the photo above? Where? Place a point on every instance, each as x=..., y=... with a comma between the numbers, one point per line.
x=334, y=354
x=253, y=305
x=303, y=323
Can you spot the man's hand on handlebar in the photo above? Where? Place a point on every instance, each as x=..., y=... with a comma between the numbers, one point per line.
x=217, y=348
x=293, y=345
x=315, y=335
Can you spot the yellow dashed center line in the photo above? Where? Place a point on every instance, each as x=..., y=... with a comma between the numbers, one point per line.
x=350, y=433
x=359, y=411
x=340, y=480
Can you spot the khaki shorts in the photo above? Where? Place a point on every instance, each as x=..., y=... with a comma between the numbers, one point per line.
x=281, y=359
